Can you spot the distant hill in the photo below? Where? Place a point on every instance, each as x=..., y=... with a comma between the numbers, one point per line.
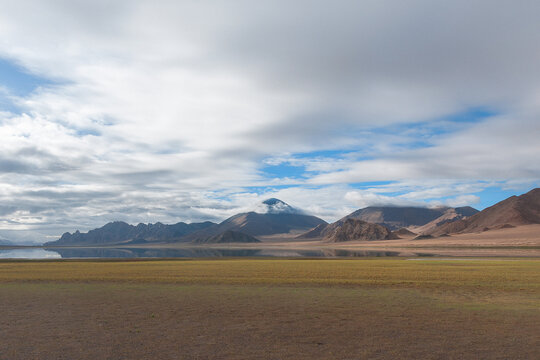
x=514, y=211
x=403, y=220
x=229, y=236
x=403, y=232
x=267, y=224
x=273, y=217
x=449, y=216
x=351, y=230
x=278, y=218
x=317, y=232
x=120, y=232
x=395, y=217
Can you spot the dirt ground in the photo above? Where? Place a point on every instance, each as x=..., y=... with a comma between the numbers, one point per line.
x=97, y=321
x=131, y=319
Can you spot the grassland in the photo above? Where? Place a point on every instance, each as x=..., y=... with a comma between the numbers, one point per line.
x=270, y=309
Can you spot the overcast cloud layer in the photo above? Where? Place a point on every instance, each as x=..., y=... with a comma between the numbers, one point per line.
x=186, y=111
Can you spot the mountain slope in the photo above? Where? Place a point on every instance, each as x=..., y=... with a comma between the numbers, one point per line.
x=229, y=236
x=267, y=224
x=354, y=229
x=397, y=218
x=514, y=211
x=449, y=216
x=121, y=232
x=403, y=232
x=256, y=224
x=403, y=217
x=279, y=218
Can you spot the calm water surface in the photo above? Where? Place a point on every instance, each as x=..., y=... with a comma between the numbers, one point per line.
x=124, y=253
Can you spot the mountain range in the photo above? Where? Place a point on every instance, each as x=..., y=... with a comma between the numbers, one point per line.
x=256, y=224
x=349, y=229
x=386, y=223
x=120, y=232
x=277, y=218
x=514, y=211
x=395, y=218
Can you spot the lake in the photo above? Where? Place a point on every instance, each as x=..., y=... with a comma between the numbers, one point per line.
x=195, y=252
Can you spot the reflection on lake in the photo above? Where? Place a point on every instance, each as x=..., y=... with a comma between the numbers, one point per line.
x=71, y=253
x=29, y=254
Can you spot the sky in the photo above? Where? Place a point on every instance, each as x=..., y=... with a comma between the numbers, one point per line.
x=170, y=111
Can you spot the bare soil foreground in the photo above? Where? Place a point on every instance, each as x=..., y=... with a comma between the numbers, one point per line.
x=270, y=309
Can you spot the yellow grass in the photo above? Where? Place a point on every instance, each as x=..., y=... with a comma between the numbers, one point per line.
x=510, y=275
x=270, y=308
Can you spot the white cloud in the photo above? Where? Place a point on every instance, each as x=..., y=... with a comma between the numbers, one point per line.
x=166, y=111
x=366, y=198
x=463, y=200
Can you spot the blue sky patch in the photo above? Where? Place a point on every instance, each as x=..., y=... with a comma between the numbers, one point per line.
x=87, y=132
x=471, y=116
x=322, y=154
x=17, y=80
x=492, y=195
x=283, y=170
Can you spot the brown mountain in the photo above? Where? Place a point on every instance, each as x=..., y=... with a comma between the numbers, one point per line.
x=354, y=229
x=229, y=236
x=278, y=218
x=254, y=224
x=394, y=217
x=317, y=232
x=449, y=216
x=403, y=232
x=119, y=232
x=514, y=211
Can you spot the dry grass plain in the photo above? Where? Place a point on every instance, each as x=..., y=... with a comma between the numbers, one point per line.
x=270, y=309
